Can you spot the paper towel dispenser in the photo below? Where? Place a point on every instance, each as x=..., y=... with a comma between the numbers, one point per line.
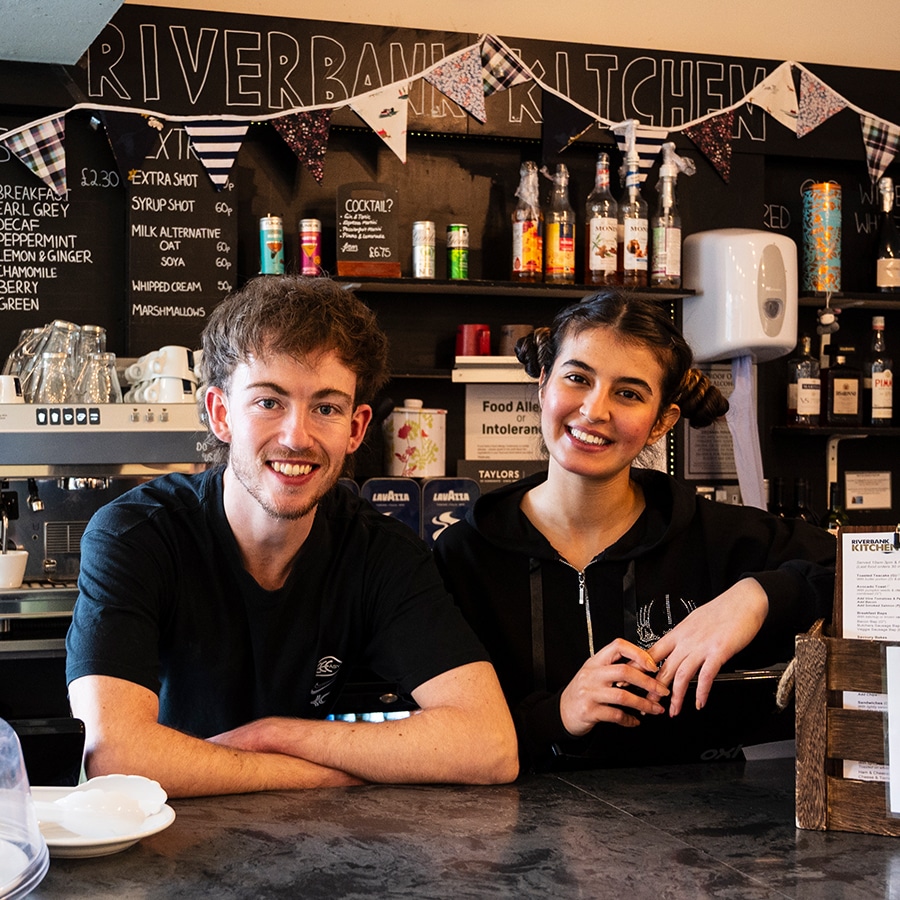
x=746, y=294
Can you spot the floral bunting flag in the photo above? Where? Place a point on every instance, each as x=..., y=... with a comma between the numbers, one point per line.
x=817, y=103
x=461, y=78
x=777, y=95
x=42, y=149
x=386, y=112
x=131, y=136
x=882, y=140
x=713, y=138
x=501, y=68
x=306, y=133
x=648, y=142
x=217, y=142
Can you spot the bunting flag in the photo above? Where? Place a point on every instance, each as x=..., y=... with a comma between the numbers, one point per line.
x=882, y=140
x=648, y=142
x=306, y=133
x=501, y=68
x=461, y=78
x=713, y=138
x=777, y=95
x=131, y=136
x=386, y=112
x=817, y=103
x=42, y=149
x=562, y=124
x=217, y=142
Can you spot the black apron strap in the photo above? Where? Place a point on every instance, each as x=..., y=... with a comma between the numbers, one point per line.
x=538, y=661
x=629, y=605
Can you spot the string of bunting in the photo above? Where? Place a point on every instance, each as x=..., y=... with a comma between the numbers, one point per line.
x=466, y=77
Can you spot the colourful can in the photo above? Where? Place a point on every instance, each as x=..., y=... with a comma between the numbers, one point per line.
x=822, y=237
x=271, y=246
x=423, y=249
x=457, y=251
x=310, y=246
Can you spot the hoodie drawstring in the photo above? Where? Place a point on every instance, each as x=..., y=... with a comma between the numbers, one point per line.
x=538, y=661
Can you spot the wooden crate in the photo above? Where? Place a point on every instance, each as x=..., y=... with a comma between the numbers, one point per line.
x=827, y=735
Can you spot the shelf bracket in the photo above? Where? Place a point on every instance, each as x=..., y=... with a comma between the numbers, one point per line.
x=831, y=458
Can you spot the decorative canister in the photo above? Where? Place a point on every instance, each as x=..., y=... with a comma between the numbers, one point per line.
x=415, y=441
x=822, y=237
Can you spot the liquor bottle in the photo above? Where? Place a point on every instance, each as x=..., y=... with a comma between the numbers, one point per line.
x=804, y=386
x=878, y=382
x=600, y=224
x=887, y=267
x=528, y=228
x=559, y=246
x=801, y=508
x=665, y=259
x=776, y=503
x=631, y=250
x=844, y=391
x=836, y=517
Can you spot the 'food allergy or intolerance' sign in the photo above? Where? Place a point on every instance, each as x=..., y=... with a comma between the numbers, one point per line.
x=502, y=422
x=367, y=243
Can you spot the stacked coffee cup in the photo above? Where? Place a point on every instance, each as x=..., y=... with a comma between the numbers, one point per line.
x=166, y=375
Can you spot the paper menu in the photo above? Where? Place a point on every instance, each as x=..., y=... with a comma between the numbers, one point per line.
x=870, y=585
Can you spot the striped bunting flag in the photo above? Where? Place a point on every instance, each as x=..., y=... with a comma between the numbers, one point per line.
x=217, y=142
x=648, y=142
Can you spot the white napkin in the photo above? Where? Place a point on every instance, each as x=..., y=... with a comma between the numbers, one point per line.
x=744, y=427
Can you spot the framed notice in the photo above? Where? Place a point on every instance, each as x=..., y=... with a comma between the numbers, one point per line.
x=367, y=231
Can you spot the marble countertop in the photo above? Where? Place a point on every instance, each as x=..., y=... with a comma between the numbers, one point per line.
x=719, y=830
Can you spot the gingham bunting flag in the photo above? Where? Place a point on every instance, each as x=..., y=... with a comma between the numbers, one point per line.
x=306, y=133
x=217, y=142
x=777, y=95
x=648, y=142
x=461, y=78
x=713, y=137
x=501, y=68
x=386, y=112
x=882, y=140
x=42, y=149
x=817, y=103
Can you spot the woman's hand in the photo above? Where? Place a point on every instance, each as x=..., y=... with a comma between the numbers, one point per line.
x=708, y=638
x=599, y=691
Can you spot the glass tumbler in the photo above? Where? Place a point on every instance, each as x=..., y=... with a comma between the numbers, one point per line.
x=98, y=381
x=54, y=381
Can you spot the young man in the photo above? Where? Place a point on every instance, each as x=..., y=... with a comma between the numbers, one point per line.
x=220, y=614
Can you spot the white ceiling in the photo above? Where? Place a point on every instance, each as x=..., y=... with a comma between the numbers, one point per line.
x=51, y=31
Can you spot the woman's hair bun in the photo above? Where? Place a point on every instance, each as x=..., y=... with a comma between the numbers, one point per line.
x=699, y=400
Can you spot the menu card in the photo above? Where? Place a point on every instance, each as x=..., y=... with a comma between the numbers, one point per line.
x=870, y=584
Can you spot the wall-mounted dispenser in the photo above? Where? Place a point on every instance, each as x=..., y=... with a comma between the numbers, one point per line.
x=746, y=294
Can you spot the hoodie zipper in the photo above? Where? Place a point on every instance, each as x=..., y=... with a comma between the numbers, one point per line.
x=585, y=601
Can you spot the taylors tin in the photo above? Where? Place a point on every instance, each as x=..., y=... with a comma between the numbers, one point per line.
x=423, y=249
x=458, y=251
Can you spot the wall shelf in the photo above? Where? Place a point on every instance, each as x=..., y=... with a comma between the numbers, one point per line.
x=854, y=300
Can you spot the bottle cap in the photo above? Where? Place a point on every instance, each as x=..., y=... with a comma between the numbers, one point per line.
x=878, y=322
x=413, y=404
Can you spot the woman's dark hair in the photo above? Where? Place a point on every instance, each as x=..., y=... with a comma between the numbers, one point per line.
x=640, y=321
x=295, y=316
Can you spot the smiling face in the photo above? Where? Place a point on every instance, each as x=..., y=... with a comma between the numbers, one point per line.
x=600, y=403
x=289, y=424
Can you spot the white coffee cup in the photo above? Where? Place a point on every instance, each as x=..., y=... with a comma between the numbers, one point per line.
x=169, y=390
x=142, y=369
x=174, y=361
x=12, y=568
x=11, y=389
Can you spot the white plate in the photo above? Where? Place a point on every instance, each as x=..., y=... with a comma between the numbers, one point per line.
x=63, y=843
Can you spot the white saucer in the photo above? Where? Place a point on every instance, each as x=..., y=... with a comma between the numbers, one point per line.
x=63, y=843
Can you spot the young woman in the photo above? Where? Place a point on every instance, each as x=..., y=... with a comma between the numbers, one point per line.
x=602, y=590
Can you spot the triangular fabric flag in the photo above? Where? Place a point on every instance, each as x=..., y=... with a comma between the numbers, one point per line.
x=42, y=149
x=648, y=142
x=882, y=140
x=217, y=142
x=461, y=78
x=818, y=102
x=306, y=133
x=501, y=68
x=386, y=112
x=131, y=136
x=713, y=137
x=562, y=124
x=777, y=95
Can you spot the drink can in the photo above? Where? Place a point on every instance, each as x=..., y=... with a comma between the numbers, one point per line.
x=310, y=246
x=458, y=251
x=271, y=246
x=423, y=249
x=822, y=237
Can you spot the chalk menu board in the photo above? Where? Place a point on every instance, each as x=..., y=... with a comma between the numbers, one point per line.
x=367, y=231
x=61, y=257
x=182, y=246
